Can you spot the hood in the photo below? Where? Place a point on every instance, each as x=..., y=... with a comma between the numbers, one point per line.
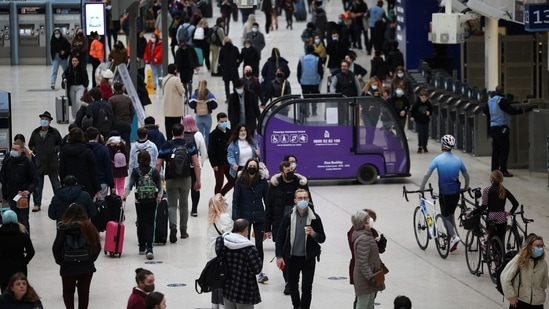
x=357, y=234
x=300, y=178
x=75, y=149
x=251, y=19
x=73, y=228
x=151, y=126
x=142, y=146
x=235, y=241
x=280, y=59
x=10, y=229
x=95, y=146
x=69, y=193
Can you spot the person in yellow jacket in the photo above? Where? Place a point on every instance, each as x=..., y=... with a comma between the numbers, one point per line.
x=97, y=54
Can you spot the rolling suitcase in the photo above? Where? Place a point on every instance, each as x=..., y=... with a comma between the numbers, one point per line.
x=161, y=223
x=115, y=209
x=200, y=56
x=300, y=11
x=62, y=109
x=100, y=218
x=114, y=236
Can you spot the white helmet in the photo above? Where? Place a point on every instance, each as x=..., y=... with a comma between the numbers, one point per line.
x=448, y=142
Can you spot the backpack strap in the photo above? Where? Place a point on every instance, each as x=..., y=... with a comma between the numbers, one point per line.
x=218, y=231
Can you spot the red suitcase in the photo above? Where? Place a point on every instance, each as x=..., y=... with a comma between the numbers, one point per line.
x=114, y=236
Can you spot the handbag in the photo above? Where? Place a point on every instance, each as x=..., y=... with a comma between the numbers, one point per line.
x=379, y=275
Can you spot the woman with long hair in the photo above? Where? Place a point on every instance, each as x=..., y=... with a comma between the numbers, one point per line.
x=203, y=102
x=275, y=62
x=193, y=136
x=16, y=249
x=250, y=191
x=524, y=279
x=201, y=41
x=119, y=55
x=240, y=147
x=401, y=80
x=76, y=272
x=152, y=56
x=20, y=294
x=219, y=223
x=493, y=199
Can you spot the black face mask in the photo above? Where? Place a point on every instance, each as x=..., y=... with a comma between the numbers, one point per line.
x=280, y=75
x=252, y=170
x=290, y=175
x=248, y=74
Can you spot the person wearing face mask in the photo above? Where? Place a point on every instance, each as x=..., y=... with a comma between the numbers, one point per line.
x=217, y=154
x=369, y=111
x=297, y=248
x=229, y=59
x=280, y=199
x=279, y=86
x=75, y=81
x=378, y=67
x=400, y=104
x=145, y=285
x=320, y=49
x=45, y=142
x=118, y=55
x=394, y=59
x=250, y=57
x=80, y=47
x=241, y=147
x=19, y=178
x=153, y=57
x=250, y=192
x=251, y=83
x=524, y=279
x=269, y=69
x=336, y=49
x=243, y=107
x=257, y=38
x=308, y=35
x=60, y=49
x=186, y=60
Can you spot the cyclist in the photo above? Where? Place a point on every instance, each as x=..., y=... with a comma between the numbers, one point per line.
x=493, y=198
x=448, y=167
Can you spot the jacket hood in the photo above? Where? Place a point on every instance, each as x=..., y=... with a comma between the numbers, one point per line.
x=357, y=234
x=280, y=59
x=235, y=241
x=151, y=126
x=142, y=146
x=276, y=179
x=75, y=149
x=95, y=145
x=73, y=228
x=69, y=193
x=10, y=229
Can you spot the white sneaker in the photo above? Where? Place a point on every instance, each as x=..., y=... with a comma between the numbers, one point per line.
x=454, y=243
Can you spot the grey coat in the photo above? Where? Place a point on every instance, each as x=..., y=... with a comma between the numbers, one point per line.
x=367, y=262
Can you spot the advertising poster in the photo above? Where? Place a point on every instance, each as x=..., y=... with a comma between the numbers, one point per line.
x=95, y=18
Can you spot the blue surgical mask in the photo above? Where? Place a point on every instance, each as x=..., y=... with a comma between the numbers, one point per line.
x=335, y=38
x=57, y=35
x=374, y=87
x=44, y=123
x=400, y=75
x=399, y=93
x=293, y=166
x=538, y=252
x=239, y=91
x=302, y=204
x=254, y=29
x=223, y=125
x=317, y=41
x=14, y=154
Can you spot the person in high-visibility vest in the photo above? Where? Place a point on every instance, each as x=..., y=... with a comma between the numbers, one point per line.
x=97, y=54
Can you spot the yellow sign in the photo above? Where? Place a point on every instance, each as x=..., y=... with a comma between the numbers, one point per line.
x=150, y=88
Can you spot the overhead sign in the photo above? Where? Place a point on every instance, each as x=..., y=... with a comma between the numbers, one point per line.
x=536, y=17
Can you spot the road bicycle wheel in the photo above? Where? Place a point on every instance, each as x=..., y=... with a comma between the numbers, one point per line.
x=473, y=252
x=513, y=240
x=421, y=230
x=494, y=256
x=460, y=231
x=442, y=240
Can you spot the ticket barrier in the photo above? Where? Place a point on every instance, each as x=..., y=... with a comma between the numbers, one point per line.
x=5, y=37
x=32, y=35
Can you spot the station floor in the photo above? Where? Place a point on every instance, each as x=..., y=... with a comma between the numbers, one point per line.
x=428, y=280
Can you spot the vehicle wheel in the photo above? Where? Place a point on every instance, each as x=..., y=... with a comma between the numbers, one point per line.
x=472, y=252
x=460, y=231
x=514, y=241
x=495, y=253
x=442, y=240
x=367, y=174
x=421, y=230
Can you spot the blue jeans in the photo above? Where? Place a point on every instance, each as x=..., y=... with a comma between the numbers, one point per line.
x=55, y=185
x=157, y=73
x=204, y=124
x=422, y=134
x=22, y=214
x=55, y=67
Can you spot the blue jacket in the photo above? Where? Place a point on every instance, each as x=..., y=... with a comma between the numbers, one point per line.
x=104, y=165
x=248, y=201
x=233, y=154
x=154, y=135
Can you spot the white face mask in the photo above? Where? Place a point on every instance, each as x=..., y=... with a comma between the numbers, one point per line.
x=371, y=223
x=57, y=35
x=153, y=40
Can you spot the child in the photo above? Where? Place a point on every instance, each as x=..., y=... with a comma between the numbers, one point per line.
x=421, y=114
x=119, y=159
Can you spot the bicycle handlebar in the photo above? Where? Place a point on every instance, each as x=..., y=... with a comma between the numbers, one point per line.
x=521, y=213
x=421, y=192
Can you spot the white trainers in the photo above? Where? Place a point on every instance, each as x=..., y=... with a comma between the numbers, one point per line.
x=454, y=243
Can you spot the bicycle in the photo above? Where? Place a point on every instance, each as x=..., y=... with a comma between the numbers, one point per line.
x=464, y=206
x=482, y=246
x=513, y=236
x=424, y=227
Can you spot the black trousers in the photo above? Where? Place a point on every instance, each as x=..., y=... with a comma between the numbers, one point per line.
x=169, y=122
x=146, y=213
x=500, y=147
x=295, y=266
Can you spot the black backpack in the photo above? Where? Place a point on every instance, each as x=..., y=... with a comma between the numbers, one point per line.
x=213, y=275
x=76, y=249
x=179, y=164
x=506, y=259
x=104, y=119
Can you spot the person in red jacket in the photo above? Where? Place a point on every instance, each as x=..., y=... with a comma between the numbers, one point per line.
x=145, y=285
x=153, y=56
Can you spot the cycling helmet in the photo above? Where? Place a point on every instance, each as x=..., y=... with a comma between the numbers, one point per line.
x=448, y=142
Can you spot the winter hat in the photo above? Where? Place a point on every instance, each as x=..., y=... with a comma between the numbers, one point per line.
x=108, y=74
x=9, y=216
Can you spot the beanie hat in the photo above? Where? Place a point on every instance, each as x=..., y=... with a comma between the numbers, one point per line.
x=9, y=216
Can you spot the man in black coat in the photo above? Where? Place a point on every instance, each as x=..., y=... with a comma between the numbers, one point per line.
x=186, y=61
x=19, y=179
x=45, y=143
x=70, y=193
x=217, y=154
x=251, y=108
x=229, y=59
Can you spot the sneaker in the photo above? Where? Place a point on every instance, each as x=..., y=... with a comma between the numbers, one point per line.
x=150, y=255
x=262, y=278
x=173, y=234
x=194, y=214
x=419, y=150
x=286, y=289
x=454, y=243
x=142, y=250
x=184, y=235
x=505, y=174
x=52, y=86
x=36, y=208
